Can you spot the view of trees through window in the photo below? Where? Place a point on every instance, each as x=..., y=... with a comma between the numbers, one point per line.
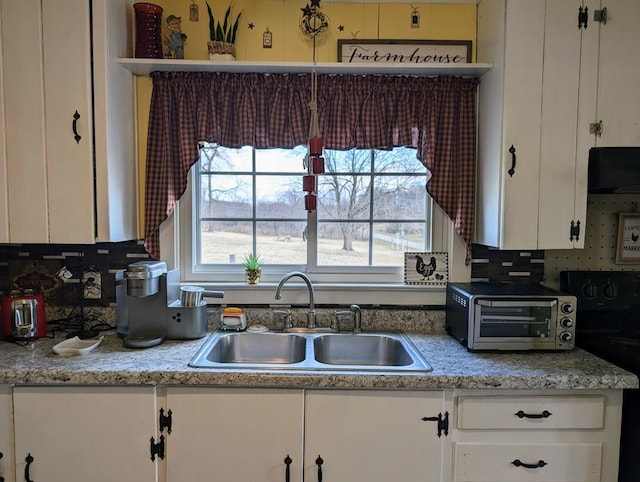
x=372, y=206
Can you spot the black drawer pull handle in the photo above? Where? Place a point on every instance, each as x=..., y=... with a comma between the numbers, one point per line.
x=287, y=470
x=74, y=127
x=29, y=460
x=512, y=151
x=544, y=414
x=518, y=463
x=319, y=463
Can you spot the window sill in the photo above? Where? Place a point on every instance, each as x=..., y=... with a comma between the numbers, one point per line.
x=294, y=293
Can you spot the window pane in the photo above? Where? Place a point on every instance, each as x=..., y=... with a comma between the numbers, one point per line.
x=400, y=159
x=391, y=240
x=344, y=197
x=225, y=242
x=225, y=196
x=354, y=160
x=280, y=242
x=281, y=160
x=343, y=244
x=280, y=197
x=222, y=159
x=399, y=197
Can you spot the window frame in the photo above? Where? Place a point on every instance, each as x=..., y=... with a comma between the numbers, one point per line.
x=176, y=244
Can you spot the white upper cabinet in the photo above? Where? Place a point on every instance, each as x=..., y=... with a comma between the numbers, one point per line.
x=69, y=122
x=4, y=210
x=568, y=108
x=619, y=75
x=533, y=146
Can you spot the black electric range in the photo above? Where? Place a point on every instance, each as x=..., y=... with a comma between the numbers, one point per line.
x=608, y=325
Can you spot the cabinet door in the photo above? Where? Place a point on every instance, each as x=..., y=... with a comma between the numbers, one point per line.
x=7, y=469
x=511, y=36
x=619, y=75
x=568, y=107
x=370, y=436
x=521, y=122
x=85, y=433
x=68, y=120
x=234, y=435
x=4, y=186
x=24, y=116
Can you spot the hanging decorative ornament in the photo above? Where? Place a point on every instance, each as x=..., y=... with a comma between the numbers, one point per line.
x=313, y=24
x=415, y=17
x=193, y=11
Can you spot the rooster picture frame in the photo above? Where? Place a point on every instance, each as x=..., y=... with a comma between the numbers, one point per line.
x=628, y=243
x=426, y=268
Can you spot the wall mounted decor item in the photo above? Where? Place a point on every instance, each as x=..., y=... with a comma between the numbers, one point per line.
x=424, y=268
x=415, y=52
x=628, y=244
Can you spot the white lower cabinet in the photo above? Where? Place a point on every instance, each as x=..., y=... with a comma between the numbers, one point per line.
x=234, y=435
x=373, y=436
x=62, y=434
x=529, y=436
x=6, y=435
x=84, y=433
x=240, y=435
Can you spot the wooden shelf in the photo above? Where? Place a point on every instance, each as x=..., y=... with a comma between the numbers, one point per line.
x=146, y=66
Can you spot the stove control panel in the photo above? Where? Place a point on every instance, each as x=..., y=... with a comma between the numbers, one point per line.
x=602, y=290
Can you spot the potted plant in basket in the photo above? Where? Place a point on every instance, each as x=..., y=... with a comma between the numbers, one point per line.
x=222, y=37
x=252, y=266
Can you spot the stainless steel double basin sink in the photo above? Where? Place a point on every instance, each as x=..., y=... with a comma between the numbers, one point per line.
x=369, y=351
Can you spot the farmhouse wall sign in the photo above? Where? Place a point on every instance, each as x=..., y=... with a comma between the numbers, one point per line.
x=405, y=51
x=628, y=243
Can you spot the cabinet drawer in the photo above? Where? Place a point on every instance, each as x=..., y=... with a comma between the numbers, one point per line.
x=530, y=413
x=567, y=462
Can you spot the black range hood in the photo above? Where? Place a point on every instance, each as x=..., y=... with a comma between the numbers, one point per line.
x=614, y=170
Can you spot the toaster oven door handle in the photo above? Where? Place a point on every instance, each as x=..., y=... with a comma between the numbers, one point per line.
x=505, y=319
x=515, y=303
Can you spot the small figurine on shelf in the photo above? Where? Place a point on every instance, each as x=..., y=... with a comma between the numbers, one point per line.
x=174, y=38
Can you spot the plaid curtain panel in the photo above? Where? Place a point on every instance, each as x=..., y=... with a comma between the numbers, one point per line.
x=436, y=115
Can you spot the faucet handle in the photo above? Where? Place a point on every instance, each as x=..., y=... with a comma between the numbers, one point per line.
x=285, y=316
x=357, y=318
x=335, y=318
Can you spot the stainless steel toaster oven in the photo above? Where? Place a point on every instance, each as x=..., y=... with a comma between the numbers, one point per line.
x=502, y=316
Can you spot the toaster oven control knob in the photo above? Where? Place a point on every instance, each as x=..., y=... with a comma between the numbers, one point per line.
x=566, y=308
x=566, y=322
x=566, y=337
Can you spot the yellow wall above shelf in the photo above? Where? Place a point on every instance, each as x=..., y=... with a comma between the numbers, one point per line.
x=144, y=67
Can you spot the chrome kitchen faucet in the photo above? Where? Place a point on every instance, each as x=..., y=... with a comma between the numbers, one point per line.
x=311, y=314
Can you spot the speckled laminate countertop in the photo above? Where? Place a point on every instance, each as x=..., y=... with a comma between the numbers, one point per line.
x=453, y=368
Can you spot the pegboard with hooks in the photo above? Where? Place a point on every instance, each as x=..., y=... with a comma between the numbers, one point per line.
x=601, y=233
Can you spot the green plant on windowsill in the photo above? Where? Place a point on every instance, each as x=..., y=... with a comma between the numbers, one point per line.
x=222, y=37
x=253, y=268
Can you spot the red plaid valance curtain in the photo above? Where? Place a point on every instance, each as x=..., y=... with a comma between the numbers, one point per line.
x=436, y=115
